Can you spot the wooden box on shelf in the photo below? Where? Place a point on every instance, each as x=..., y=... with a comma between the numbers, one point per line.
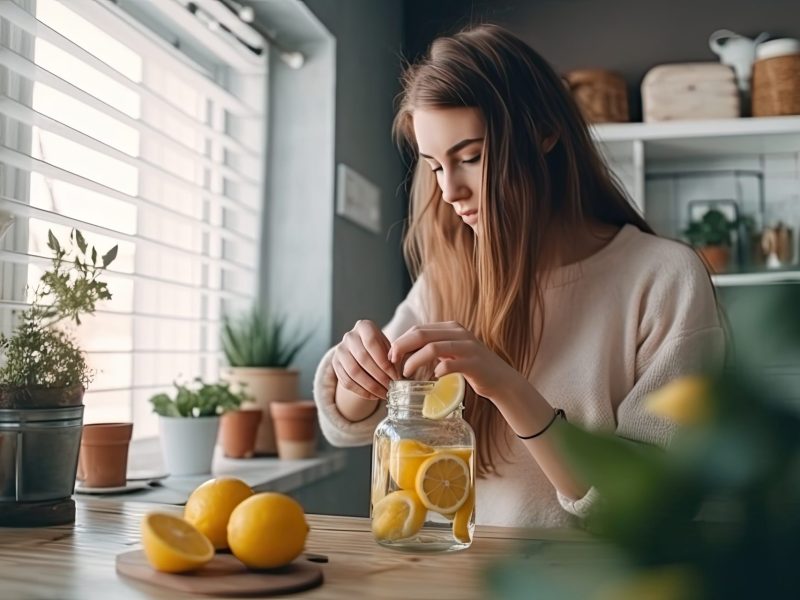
x=690, y=91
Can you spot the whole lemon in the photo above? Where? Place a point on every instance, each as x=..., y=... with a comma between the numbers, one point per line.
x=267, y=530
x=211, y=504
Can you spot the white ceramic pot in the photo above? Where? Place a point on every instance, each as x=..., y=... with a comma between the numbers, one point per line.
x=187, y=444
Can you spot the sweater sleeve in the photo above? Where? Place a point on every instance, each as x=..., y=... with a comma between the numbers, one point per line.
x=335, y=427
x=680, y=334
x=676, y=358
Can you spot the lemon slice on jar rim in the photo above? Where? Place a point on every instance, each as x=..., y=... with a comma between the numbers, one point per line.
x=445, y=397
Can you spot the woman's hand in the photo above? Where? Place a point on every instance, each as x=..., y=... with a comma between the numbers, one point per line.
x=361, y=364
x=455, y=350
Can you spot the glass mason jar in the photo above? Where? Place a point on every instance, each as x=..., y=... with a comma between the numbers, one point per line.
x=423, y=475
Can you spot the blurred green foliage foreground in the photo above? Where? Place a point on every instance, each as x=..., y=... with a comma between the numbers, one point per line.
x=716, y=515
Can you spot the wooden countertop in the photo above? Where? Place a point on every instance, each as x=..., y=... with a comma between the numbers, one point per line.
x=77, y=561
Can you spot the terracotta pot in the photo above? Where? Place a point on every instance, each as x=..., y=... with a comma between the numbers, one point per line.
x=295, y=428
x=265, y=385
x=715, y=257
x=103, y=460
x=238, y=429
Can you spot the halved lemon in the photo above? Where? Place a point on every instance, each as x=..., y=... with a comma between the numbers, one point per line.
x=173, y=545
x=397, y=516
x=443, y=483
x=446, y=396
x=405, y=458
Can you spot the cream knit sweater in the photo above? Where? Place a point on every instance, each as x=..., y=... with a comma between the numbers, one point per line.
x=619, y=324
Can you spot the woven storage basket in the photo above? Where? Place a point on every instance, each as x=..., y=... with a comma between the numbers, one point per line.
x=776, y=86
x=602, y=96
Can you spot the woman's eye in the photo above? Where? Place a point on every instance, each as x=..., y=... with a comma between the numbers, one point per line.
x=436, y=169
x=472, y=160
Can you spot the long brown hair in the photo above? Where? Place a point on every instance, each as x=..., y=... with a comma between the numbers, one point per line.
x=491, y=281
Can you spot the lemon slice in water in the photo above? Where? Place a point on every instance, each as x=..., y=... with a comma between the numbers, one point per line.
x=446, y=396
x=443, y=483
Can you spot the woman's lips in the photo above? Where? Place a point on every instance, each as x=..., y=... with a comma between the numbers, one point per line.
x=470, y=217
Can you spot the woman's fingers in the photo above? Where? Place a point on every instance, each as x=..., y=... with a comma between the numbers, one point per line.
x=416, y=337
x=350, y=384
x=361, y=361
x=364, y=362
x=438, y=351
x=377, y=346
x=458, y=365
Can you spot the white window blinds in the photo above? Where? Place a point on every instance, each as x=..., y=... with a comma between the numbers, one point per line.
x=106, y=127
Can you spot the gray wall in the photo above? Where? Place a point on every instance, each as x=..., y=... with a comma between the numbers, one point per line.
x=367, y=268
x=329, y=270
x=629, y=36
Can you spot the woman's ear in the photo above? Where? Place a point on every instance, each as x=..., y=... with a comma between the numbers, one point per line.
x=549, y=143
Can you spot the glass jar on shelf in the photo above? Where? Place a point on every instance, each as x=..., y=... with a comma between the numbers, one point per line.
x=423, y=482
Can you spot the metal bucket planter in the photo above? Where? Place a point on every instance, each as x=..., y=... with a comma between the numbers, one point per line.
x=40, y=437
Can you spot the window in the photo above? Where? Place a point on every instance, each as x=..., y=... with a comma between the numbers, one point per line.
x=106, y=127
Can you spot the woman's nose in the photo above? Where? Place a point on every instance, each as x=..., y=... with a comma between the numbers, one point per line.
x=453, y=188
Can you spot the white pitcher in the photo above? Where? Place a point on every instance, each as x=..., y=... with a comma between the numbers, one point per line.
x=738, y=52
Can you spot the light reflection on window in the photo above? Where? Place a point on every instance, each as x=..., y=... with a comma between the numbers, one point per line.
x=107, y=337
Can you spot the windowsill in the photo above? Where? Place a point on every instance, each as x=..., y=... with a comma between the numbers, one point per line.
x=262, y=474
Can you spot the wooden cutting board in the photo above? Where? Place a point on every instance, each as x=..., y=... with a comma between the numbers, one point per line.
x=225, y=575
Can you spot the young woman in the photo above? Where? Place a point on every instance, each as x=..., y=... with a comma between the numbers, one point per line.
x=535, y=279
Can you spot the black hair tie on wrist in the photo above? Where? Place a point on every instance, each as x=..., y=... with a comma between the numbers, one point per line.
x=558, y=413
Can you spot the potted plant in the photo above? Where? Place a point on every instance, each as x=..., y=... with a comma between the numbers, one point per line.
x=259, y=356
x=711, y=237
x=43, y=376
x=189, y=423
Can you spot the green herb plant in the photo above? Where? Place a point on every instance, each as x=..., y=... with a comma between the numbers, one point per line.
x=40, y=352
x=254, y=340
x=198, y=399
x=713, y=229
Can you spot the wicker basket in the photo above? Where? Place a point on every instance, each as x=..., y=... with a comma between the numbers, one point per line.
x=601, y=95
x=776, y=86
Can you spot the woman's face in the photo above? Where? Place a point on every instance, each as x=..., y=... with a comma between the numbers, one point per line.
x=450, y=141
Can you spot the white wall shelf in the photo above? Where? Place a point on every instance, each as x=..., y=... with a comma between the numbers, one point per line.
x=706, y=138
x=692, y=129
x=715, y=151
x=763, y=278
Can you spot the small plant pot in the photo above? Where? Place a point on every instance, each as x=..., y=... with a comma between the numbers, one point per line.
x=295, y=428
x=716, y=258
x=103, y=460
x=266, y=385
x=187, y=444
x=237, y=432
